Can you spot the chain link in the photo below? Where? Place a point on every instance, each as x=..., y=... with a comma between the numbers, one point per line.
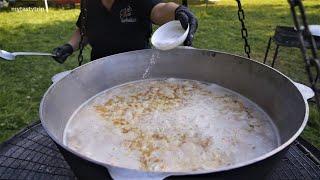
x=83, y=21
x=244, y=31
x=80, y=56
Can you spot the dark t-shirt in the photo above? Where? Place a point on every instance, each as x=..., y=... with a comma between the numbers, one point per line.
x=126, y=27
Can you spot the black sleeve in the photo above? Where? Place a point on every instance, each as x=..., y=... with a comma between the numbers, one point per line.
x=144, y=7
x=78, y=23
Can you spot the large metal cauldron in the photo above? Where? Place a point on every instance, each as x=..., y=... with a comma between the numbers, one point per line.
x=272, y=91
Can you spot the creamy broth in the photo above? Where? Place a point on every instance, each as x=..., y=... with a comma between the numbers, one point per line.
x=170, y=125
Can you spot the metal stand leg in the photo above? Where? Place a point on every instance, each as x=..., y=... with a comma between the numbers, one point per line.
x=299, y=18
x=316, y=96
x=275, y=56
x=267, y=51
x=207, y=1
x=185, y=3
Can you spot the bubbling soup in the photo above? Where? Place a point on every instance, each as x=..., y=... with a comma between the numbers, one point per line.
x=174, y=125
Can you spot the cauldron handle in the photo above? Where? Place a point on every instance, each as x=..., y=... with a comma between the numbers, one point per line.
x=305, y=91
x=59, y=76
x=118, y=173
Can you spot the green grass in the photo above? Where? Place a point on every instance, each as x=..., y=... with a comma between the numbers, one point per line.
x=24, y=81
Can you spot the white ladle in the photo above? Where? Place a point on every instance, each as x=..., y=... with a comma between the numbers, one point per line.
x=12, y=56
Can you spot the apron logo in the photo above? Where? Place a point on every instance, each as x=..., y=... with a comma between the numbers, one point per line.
x=126, y=15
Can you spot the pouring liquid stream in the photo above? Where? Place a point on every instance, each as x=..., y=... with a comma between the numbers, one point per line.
x=155, y=56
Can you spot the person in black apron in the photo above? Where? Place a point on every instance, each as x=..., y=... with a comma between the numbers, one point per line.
x=115, y=26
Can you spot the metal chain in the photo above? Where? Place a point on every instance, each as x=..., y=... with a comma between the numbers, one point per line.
x=306, y=36
x=244, y=31
x=83, y=21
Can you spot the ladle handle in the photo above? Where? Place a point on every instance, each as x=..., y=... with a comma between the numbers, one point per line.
x=32, y=54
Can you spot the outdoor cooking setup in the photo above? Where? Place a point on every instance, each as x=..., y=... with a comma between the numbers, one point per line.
x=285, y=102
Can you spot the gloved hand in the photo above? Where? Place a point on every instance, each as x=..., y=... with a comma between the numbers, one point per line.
x=62, y=53
x=185, y=16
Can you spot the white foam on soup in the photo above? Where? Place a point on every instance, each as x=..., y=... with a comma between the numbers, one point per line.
x=170, y=125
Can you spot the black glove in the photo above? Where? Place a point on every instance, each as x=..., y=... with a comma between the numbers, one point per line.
x=62, y=53
x=186, y=17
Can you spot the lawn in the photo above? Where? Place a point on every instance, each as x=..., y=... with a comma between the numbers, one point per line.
x=24, y=81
